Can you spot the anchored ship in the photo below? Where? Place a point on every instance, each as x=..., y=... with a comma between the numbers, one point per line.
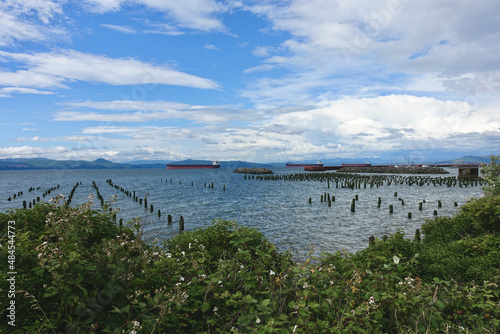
x=214, y=164
x=318, y=164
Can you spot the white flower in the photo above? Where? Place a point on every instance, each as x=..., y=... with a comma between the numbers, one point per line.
x=137, y=323
x=305, y=286
x=40, y=255
x=215, y=309
x=183, y=253
x=168, y=255
x=242, y=266
x=181, y=279
x=257, y=320
x=271, y=272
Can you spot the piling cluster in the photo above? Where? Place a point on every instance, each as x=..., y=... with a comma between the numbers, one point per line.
x=357, y=181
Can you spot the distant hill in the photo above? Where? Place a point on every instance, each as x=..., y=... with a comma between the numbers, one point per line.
x=467, y=159
x=42, y=163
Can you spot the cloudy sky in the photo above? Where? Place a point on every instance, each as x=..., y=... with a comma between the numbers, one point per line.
x=255, y=80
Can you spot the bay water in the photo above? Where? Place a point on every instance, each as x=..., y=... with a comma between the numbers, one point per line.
x=279, y=209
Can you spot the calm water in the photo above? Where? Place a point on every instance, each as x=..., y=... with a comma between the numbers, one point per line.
x=280, y=209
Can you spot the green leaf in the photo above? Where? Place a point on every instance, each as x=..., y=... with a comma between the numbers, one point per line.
x=265, y=302
x=205, y=307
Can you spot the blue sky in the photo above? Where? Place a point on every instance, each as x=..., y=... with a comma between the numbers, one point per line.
x=263, y=81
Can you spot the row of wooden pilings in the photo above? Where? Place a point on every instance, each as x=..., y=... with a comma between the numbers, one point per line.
x=206, y=185
x=30, y=204
x=357, y=181
x=70, y=197
x=132, y=194
x=20, y=193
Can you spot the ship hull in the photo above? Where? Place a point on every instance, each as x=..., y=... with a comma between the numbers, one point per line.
x=304, y=165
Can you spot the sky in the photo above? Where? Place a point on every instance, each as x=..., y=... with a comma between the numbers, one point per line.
x=262, y=81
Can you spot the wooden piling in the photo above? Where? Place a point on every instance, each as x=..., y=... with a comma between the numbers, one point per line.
x=181, y=224
x=169, y=219
x=371, y=241
x=417, y=235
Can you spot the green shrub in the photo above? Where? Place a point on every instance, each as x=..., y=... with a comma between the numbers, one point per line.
x=80, y=273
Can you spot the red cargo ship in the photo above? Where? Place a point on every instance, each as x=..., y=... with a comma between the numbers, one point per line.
x=215, y=164
x=318, y=164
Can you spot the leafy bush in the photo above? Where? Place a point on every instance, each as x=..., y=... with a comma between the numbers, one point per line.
x=80, y=273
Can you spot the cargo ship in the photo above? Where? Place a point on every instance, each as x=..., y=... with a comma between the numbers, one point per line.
x=318, y=164
x=367, y=164
x=214, y=164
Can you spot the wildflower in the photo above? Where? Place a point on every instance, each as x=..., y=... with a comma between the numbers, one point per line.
x=181, y=279
x=305, y=286
x=168, y=255
x=271, y=272
x=242, y=266
x=257, y=320
x=40, y=255
x=109, y=253
x=183, y=253
x=137, y=324
x=215, y=309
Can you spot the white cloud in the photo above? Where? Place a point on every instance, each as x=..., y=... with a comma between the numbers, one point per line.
x=7, y=91
x=103, y=6
x=28, y=21
x=55, y=69
x=146, y=111
x=123, y=29
x=427, y=45
x=387, y=122
x=211, y=47
x=193, y=14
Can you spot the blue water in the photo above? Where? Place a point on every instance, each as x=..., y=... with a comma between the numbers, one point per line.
x=280, y=209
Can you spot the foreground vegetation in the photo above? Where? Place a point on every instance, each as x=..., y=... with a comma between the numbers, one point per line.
x=78, y=272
